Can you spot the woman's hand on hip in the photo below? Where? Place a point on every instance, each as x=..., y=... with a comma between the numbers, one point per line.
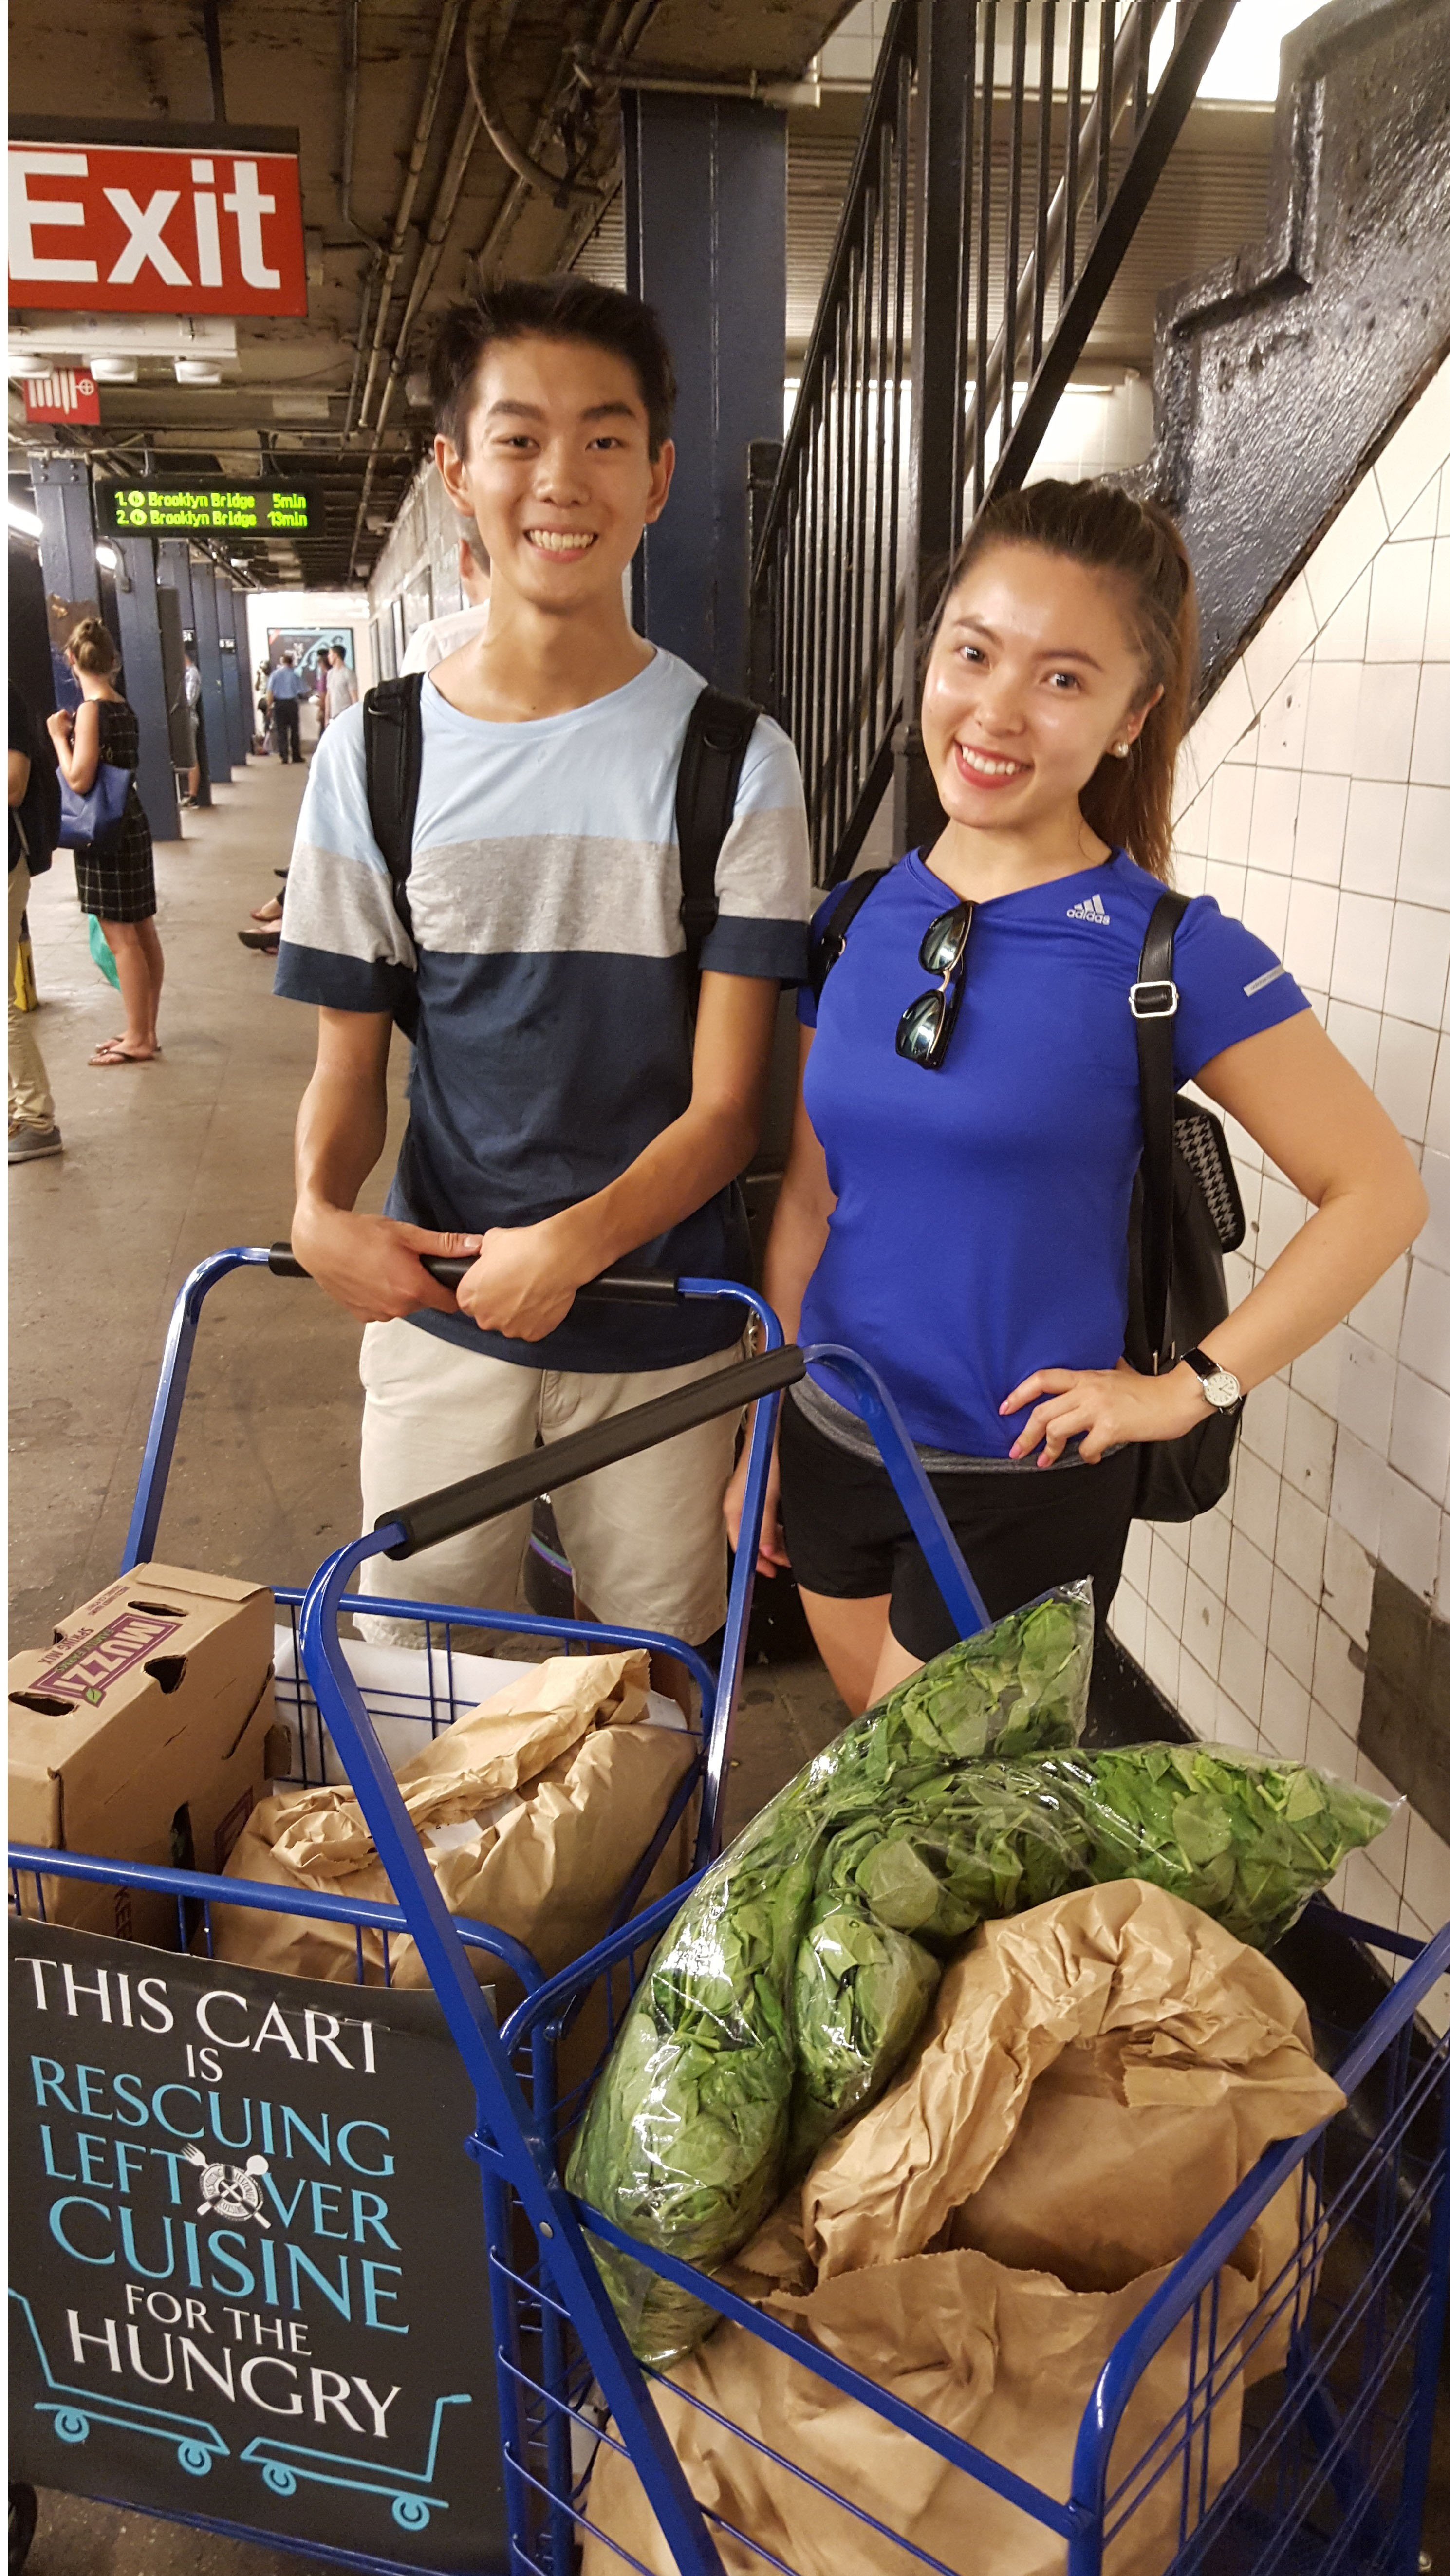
x=1103, y=1409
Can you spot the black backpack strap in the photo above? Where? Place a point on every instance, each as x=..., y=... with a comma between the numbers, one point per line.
x=1153, y=1000
x=716, y=741
x=829, y=944
x=393, y=751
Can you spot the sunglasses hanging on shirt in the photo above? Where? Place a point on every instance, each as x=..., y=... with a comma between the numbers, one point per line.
x=925, y=1029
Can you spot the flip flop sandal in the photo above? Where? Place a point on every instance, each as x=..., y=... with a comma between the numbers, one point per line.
x=268, y=941
x=111, y=1054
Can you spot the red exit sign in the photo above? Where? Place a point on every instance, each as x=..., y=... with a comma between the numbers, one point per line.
x=206, y=220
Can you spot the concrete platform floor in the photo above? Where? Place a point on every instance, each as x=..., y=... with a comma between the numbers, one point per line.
x=165, y=1162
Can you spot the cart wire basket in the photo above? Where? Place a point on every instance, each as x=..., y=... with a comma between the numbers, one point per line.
x=414, y=1689
x=1301, y=2437
x=320, y=1675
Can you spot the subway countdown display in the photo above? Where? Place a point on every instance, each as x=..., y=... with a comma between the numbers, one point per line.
x=221, y=509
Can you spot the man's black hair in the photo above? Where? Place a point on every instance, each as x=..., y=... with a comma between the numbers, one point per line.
x=548, y=308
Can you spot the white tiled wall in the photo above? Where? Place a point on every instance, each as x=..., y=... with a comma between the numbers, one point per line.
x=1314, y=802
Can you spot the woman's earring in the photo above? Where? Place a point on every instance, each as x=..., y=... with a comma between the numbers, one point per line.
x=1121, y=750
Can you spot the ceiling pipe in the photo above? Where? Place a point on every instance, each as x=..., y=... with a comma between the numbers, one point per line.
x=561, y=186
x=438, y=65
x=450, y=188
x=211, y=29
x=764, y=89
x=351, y=83
x=621, y=29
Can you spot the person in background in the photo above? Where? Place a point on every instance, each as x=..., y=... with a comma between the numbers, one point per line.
x=286, y=689
x=319, y=689
x=191, y=684
x=444, y=635
x=33, y=1131
x=341, y=683
x=115, y=880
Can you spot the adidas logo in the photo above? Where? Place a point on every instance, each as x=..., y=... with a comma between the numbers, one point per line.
x=1092, y=910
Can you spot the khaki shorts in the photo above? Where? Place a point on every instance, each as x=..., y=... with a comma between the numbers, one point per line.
x=646, y=1538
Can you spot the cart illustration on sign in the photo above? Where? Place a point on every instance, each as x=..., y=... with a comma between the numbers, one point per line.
x=74, y=2410
x=283, y=2464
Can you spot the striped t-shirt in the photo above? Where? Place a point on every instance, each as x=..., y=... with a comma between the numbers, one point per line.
x=554, y=1024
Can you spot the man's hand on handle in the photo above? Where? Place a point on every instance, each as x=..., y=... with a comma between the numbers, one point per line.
x=371, y=1264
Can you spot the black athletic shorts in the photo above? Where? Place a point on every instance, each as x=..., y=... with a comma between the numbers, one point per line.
x=850, y=1540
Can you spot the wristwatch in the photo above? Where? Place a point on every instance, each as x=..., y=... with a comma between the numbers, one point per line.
x=1220, y=1386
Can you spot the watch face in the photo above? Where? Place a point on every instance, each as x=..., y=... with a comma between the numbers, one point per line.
x=1222, y=1388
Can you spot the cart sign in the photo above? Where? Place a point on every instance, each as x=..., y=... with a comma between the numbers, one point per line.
x=248, y=2281
x=152, y=228
x=207, y=509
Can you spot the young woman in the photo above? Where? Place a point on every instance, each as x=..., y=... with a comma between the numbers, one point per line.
x=957, y=1197
x=116, y=881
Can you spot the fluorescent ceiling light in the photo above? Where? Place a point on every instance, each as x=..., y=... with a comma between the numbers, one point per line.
x=107, y=558
x=114, y=371
x=197, y=371
x=25, y=520
x=30, y=363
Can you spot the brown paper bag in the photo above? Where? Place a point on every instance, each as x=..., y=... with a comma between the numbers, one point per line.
x=534, y=1809
x=1097, y=2075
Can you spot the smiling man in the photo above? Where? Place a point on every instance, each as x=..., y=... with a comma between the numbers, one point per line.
x=572, y=1107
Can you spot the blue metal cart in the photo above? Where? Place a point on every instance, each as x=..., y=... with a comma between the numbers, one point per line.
x=1334, y=2455
x=442, y=1694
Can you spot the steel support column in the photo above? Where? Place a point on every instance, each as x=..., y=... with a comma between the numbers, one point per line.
x=705, y=232
x=946, y=51
x=145, y=677
x=173, y=572
x=209, y=662
x=62, y=489
x=234, y=669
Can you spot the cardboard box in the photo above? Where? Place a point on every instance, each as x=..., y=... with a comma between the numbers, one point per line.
x=141, y=1733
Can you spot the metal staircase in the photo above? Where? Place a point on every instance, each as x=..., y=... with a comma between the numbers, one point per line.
x=1004, y=164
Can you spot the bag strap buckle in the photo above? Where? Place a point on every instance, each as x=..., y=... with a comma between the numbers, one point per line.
x=1153, y=1001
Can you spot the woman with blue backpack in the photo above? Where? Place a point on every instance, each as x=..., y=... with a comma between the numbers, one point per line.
x=98, y=747
x=989, y=1025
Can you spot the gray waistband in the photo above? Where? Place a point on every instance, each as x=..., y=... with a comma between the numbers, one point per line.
x=847, y=1432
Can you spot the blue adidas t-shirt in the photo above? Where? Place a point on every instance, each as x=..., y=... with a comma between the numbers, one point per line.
x=548, y=962
x=981, y=1221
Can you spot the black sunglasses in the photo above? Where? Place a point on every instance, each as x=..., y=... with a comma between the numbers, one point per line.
x=925, y=1029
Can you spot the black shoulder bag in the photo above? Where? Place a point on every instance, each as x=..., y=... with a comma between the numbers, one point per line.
x=1186, y=1215
x=711, y=759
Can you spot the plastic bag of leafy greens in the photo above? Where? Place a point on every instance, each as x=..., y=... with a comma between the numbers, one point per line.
x=1245, y=1838
x=683, y=2143
x=891, y=1900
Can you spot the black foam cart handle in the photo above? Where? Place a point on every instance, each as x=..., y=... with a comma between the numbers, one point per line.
x=485, y=1497
x=641, y=1288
